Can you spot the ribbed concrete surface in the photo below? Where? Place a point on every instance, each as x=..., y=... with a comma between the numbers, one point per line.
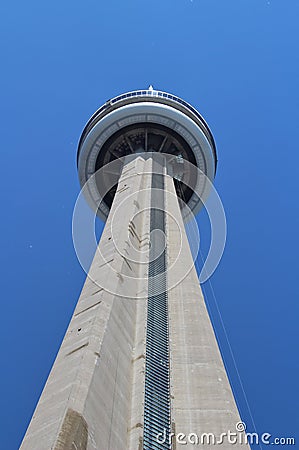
x=86, y=402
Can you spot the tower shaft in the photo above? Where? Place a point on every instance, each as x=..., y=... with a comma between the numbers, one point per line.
x=139, y=358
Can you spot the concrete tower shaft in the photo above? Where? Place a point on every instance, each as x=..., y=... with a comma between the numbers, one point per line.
x=139, y=359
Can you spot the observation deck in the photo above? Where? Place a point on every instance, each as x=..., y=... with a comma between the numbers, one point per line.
x=140, y=122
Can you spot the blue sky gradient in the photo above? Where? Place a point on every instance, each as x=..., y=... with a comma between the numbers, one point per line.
x=237, y=61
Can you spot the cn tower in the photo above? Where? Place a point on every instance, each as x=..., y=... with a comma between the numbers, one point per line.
x=139, y=363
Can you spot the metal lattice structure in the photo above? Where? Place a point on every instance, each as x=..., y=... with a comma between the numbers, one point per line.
x=157, y=389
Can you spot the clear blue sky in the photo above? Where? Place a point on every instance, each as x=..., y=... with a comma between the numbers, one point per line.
x=237, y=61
